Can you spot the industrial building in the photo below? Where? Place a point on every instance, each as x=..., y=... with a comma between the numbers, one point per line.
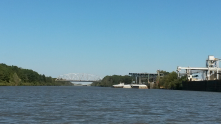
x=146, y=78
x=210, y=72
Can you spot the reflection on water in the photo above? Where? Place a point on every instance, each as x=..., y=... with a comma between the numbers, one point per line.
x=107, y=105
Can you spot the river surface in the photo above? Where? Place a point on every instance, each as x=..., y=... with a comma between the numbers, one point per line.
x=63, y=104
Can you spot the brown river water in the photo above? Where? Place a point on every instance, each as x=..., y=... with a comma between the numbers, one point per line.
x=72, y=105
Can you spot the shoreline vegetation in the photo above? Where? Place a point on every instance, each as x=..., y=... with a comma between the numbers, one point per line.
x=109, y=81
x=16, y=76
x=169, y=81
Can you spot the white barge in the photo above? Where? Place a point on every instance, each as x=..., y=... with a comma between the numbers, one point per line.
x=121, y=85
x=137, y=86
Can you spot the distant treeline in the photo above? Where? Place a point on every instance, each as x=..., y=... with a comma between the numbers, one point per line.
x=108, y=81
x=15, y=76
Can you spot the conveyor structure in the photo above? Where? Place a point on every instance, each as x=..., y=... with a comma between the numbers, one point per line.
x=211, y=71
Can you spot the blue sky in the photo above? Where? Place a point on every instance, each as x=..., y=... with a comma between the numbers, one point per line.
x=106, y=37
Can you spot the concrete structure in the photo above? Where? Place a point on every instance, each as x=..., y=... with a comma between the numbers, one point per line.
x=211, y=71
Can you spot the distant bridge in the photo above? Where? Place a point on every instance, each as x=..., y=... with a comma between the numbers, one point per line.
x=79, y=77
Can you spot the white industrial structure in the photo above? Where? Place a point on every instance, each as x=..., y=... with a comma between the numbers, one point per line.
x=210, y=72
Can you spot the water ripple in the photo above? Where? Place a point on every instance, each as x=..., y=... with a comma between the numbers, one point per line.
x=107, y=105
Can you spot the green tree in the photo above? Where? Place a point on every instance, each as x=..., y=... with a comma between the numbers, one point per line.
x=15, y=80
x=171, y=81
x=13, y=75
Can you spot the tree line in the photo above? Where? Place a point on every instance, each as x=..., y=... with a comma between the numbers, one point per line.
x=109, y=81
x=16, y=76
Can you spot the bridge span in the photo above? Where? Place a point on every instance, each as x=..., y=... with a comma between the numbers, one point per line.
x=78, y=77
